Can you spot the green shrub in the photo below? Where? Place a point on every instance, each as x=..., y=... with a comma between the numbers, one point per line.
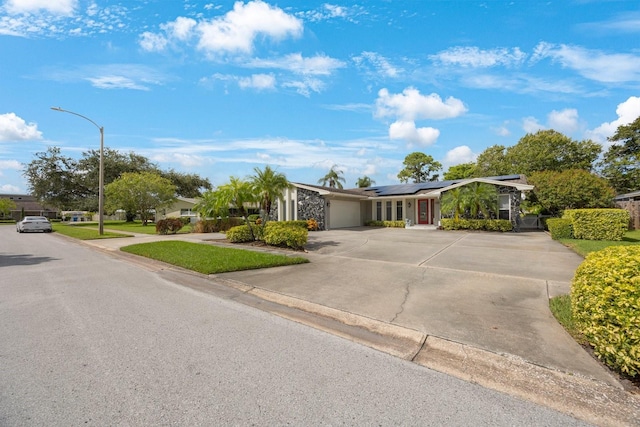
x=169, y=226
x=239, y=234
x=217, y=225
x=560, y=228
x=253, y=217
x=605, y=298
x=285, y=233
x=389, y=224
x=598, y=224
x=476, y=224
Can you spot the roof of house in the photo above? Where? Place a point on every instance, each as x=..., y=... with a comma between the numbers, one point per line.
x=430, y=187
x=628, y=196
x=25, y=201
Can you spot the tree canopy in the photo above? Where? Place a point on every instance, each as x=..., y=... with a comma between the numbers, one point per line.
x=419, y=167
x=461, y=171
x=6, y=205
x=66, y=183
x=493, y=162
x=364, y=182
x=140, y=193
x=269, y=186
x=334, y=178
x=628, y=137
x=620, y=165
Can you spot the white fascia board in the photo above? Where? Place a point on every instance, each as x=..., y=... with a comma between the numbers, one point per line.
x=516, y=185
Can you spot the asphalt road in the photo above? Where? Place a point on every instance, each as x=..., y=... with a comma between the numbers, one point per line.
x=90, y=339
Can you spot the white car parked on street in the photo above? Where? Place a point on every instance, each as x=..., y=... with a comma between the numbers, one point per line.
x=33, y=223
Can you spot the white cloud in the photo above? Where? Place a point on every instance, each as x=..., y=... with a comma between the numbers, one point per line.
x=458, y=155
x=380, y=65
x=10, y=189
x=237, y=30
x=153, y=42
x=473, y=57
x=10, y=164
x=14, y=128
x=502, y=130
x=407, y=130
x=411, y=105
x=531, y=125
x=181, y=28
x=627, y=112
x=318, y=65
x=258, y=81
x=306, y=86
x=564, y=121
x=592, y=64
x=58, y=7
x=115, y=82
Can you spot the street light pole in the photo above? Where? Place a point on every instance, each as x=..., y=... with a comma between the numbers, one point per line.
x=101, y=169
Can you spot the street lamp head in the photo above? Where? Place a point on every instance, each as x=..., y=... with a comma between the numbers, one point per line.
x=56, y=108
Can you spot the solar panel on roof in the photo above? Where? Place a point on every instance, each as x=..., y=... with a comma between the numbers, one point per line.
x=406, y=189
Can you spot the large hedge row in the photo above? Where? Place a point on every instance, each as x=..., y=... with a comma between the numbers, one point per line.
x=389, y=224
x=598, y=224
x=560, y=228
x=605, y=299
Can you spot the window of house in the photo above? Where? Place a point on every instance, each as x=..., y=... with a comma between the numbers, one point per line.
x=186, y=212
x=378, y=211
x=399, y=216
x=504, y=206
x=388, y=210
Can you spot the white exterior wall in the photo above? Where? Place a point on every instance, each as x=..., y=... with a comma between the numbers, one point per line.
x=288, y=205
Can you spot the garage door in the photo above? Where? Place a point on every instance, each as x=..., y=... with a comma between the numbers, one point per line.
x=344, y=213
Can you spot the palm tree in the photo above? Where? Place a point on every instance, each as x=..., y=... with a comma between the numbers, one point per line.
x=365, y=182
x=453, y=202
x=333, y=178
x=481, y=198
x=268, y=185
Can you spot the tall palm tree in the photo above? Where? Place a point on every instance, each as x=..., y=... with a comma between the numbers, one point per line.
x=268, y=185
x=480, y=197
x=333, y=178
x=453, y=202
x=365, y=182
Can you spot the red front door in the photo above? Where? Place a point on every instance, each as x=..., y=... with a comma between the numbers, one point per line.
x=425, y=211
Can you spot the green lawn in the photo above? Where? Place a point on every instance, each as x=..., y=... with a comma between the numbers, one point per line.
x=209, y=259
x=131, y=227
x=584, y=247
x=83, y=233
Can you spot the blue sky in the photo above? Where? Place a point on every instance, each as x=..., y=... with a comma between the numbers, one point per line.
x=218, y=88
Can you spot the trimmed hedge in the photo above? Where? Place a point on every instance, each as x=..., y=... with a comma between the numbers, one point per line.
x=389, y=224
x=560, y=228
x=169, y=225
x=286, y=233
x=216, y=225
x=239, y=234
x=605, y=299
x=598, y=224
x=477, y=224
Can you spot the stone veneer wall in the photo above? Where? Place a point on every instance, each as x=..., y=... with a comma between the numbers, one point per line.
x=311, y=205
x=515, y=196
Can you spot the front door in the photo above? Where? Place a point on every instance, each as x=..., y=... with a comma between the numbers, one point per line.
x=425, y=211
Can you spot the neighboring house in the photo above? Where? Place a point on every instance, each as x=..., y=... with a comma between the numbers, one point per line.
x=630, y=202
x=28, y=205
x=417, y=204
x=181, y=208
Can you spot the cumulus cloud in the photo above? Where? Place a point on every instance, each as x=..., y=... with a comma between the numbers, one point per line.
x=14, y=128
x=473, y=57
x=411, y=105
x=58, y=7
x=626, y=111
x=407, y=130
x=458, y=155
x=591, y=64
x=565, y=121
x=531, y=125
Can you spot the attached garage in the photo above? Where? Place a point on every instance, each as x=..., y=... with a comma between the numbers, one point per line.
x=343, y=213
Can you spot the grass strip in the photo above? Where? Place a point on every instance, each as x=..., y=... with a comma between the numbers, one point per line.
x=585, y=247
x=209, y=259
x=130, y=227
x=561, y=308
x=82, y=233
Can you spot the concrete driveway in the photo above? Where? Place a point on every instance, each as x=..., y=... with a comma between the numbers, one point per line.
x=488, y=290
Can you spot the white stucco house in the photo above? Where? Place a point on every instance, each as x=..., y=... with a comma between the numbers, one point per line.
x=418, y=204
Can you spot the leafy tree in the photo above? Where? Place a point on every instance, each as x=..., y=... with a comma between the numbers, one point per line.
x=140, y=193
x=334, y=178
x=480, y=197
x=621, y=169
x=548, y=150
x=461, y=171
x=493, y=162
x=53, y=179
x=207, y=206
x=268, y=185
x=364, y=182
x=187, y=184
x=6, y=206
x=570, y=189
x=419, y=167
x=629, y=137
